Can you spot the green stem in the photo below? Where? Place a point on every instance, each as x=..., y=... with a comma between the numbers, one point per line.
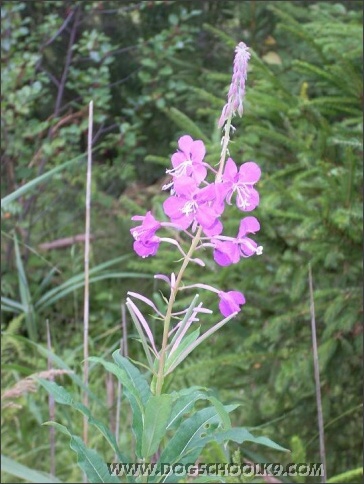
x=175, y=288
x=167, y=320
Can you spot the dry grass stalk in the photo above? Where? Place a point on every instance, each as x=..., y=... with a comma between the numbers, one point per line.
x=29, y=384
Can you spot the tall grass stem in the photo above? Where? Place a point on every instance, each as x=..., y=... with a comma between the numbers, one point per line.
x=87, y=264
x=124, y=352
x=51, y=410
x=317, y=377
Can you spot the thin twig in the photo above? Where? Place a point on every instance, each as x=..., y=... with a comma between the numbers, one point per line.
x=51, y=410
x=62, y=82
x=87, y=254
x=64, y=243
x=60, y=30
x=317, y=377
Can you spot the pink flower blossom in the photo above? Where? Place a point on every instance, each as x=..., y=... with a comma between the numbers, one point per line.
x=146, y=242
x=248, y=247
x=247, y=198
x=230, y=302
x=188, y=160
x=228, y=252
x=193, y=205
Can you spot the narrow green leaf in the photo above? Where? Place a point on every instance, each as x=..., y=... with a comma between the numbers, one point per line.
x=134, y=397
x=77, y=282
x=11, y=306
x=134, y=375
x=157, y=412
x=81, y=276
x=89, y=460
x=33, y=183
x=221, y=411
x=143, y=339
x=184, y=344
x=191, y=436
x=241, y=435
x=25, y=296
x=183, y=402
x=194, y=344
x=184, y=320
x=16, y=469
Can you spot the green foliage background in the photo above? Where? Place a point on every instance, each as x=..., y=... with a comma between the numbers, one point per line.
x=157, y=70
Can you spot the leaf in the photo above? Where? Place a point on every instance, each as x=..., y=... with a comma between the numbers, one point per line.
x=62, y=396
x=132, y=393
x=241, y=435
x=143, y=340
x=157, y=412
x=134, y=375
x=191, y=436
x=194, y=344
x=184, y=321
x=16, y=469
x=78, y=281
x=25, y=296
x=183, y=402
x=221, y=411
x=11, y=306
x=185, y=343
x=89, y=460
x=33, y=183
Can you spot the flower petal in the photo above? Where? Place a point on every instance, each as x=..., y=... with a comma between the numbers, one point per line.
x=197, y=151
x=215, y=229
x=185, y=186
x=249, y=172
x=230, y=302
x=248, y=247
x=178, y=158
x=230, y=170
x=248, y=225
x=226, y=253
x=185, y=143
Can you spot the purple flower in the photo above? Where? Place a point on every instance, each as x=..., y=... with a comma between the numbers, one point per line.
x=147, y=247
x=146, y=242
x=188, y=161
x=230, y=302
x=193, y=205
x=228, y=252
x=237, y=88
x=247, y=198
x=248, y=247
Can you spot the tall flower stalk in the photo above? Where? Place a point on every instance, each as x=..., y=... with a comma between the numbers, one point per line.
x=195, y=206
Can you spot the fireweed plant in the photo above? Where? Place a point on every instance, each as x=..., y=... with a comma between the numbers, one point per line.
x=167, y=428
x=195, y=207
